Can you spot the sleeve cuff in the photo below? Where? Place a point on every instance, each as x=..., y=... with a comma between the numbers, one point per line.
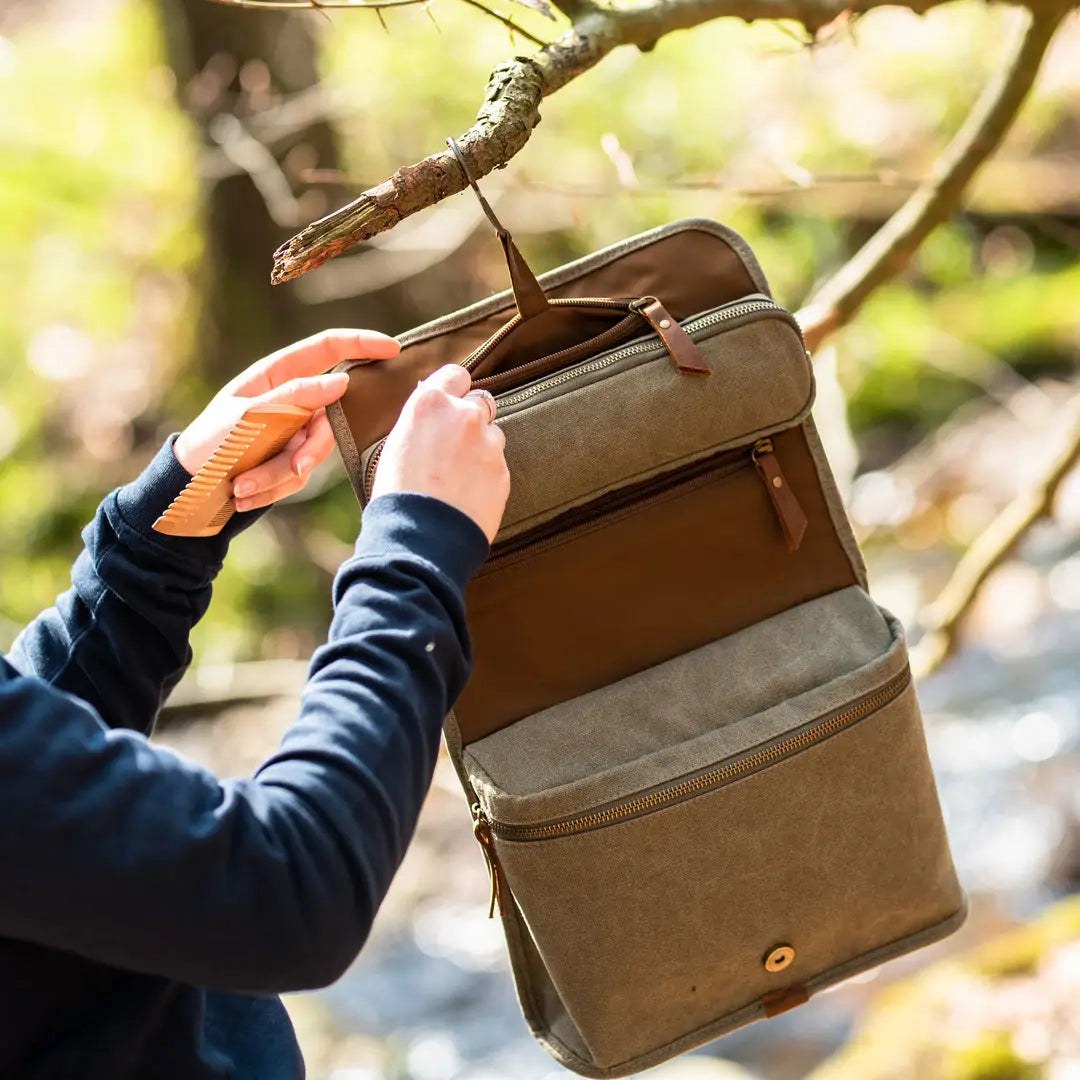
x=425, y=526
x=146, y=498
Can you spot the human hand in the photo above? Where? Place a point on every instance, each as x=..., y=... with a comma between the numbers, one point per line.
x=290, y=376
x=445, y=445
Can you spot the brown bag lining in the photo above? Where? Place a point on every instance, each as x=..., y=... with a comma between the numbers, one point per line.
x=513, y=370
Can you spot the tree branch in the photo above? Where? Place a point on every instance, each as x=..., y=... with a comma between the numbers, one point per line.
x=887, y=252
x=943, y=617
x=502, y=128
x=515, y=89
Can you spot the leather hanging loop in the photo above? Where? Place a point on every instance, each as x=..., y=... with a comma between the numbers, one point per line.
x=528, y=294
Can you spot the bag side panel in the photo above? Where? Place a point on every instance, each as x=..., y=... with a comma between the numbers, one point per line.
x=541, y=1006
x=835, y=502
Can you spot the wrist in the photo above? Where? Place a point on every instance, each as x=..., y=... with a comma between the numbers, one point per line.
x=182, y=452
x=141, y=502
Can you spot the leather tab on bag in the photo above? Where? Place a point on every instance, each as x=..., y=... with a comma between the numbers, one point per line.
x=791, y=514
x=528, y=294
x=676, y=340
x=780, y=1001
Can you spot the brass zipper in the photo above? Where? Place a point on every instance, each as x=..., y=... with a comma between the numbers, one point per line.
x=487, y=829
x=734, y=310
x=634, y=498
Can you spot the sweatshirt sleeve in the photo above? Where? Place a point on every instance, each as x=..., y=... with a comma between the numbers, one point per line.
x=132, y=855
x=118, y=638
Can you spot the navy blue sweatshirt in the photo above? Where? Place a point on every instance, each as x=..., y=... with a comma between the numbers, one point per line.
x=150, y=912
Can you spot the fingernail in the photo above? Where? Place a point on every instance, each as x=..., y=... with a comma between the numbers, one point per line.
x=244, y=487
x=303, y=465
x=242, y=504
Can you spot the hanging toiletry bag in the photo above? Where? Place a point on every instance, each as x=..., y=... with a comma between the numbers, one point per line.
x=691, y=744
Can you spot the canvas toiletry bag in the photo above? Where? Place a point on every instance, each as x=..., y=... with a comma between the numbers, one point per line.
x=690, y=742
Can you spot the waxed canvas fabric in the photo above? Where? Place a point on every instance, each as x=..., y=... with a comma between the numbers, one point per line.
x=694, y=754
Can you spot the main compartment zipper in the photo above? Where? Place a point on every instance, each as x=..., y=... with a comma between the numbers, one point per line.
x=487, y=830
x=736, y=309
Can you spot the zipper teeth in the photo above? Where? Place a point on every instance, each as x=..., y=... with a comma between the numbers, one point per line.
x=735, y=311
x=717, y=777
x=732, y=311
x=698, y=472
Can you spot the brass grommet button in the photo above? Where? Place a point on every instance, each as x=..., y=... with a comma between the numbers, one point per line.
x=778, y=957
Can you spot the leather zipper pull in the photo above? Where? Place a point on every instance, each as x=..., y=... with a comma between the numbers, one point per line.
x=791, y=514
x=482, y=832
x=677, y=341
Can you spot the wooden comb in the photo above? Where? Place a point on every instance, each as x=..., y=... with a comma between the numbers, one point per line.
x=206, y=503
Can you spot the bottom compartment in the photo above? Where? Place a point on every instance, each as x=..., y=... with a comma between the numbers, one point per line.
x=667, y=881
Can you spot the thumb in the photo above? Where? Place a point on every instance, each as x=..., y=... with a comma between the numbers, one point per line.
x=312, y=392
x=453, y=379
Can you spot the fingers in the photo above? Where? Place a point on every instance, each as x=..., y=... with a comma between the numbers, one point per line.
x=486, y=401
x=317, y=447
x=274, y=471
x=453, y=379
x=312, y=356
x=307, y=449
x=312, y=392
x=275, y=494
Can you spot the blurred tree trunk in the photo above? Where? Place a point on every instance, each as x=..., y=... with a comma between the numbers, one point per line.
x=231, y=65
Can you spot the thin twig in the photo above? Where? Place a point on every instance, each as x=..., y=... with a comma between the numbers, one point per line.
x=253, y=157
x=887, y=252
x=574, y=9
x=513, y=27
x=371, y=5
x=308, y=5
x=944, y=616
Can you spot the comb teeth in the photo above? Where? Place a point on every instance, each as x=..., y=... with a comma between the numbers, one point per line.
x=205, y=504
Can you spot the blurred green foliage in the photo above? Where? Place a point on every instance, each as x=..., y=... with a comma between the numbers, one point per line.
x=101, y=236
x=98, y=240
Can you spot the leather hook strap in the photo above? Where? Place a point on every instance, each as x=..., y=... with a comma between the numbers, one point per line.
x=528, y=294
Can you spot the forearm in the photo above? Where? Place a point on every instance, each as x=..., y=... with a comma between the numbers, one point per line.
x=118, y=638
x=138, y=858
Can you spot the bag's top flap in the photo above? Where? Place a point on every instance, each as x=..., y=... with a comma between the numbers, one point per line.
x=691, y=265
x=628, y=414
x=640, y=417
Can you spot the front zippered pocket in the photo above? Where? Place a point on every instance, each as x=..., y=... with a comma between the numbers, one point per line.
x=702, y=782
x=640, y=496
x=641, y=351
x=778, y=831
